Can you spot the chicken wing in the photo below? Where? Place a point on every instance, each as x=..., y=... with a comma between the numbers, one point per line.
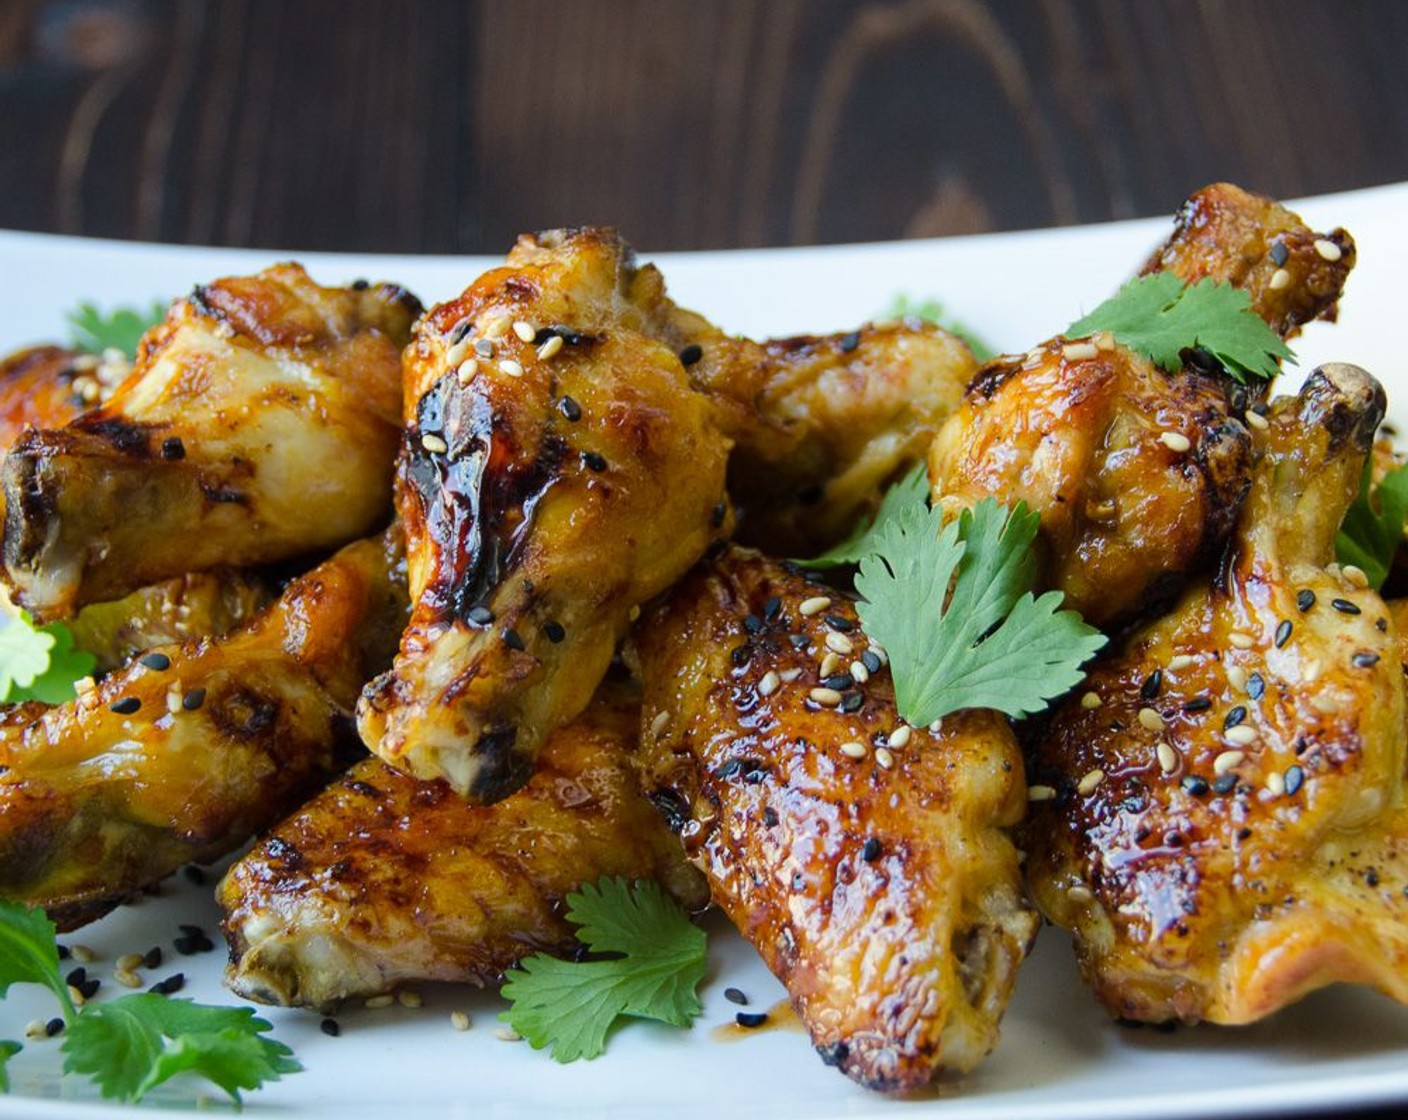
x=383, y=880
x=1138, y=473
x=1220, y=818
x=191, y=749
x=558, y=470
x=260, y=422
x=41, y=387
x=867, y=861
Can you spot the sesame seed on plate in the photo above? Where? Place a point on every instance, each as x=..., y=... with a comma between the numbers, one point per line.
x=458, y=1019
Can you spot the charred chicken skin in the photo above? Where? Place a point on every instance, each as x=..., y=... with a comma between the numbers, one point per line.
x=382, y=879
x=189, y=750
x=259, y=423
x=1221, y=815
x=867, y=861
x=1138, y=473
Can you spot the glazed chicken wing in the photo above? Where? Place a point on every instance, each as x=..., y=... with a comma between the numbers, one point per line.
x=867, y=861
x=1220, y=818
x=1138, y=473
x=384, y=880
x=260, y=422
x=41, y=387
x=192, y=748
x=559, y=470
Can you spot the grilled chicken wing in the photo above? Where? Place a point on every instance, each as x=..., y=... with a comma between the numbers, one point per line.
x=191, y=749
x=260, y=422
x=42, y=388
x=1137, y=473
x=559, y=469
x=866, y=861
x=1228, y=827
x=383, y=880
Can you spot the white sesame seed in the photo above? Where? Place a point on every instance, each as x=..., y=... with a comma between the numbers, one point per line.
x=859, y=673
x=1257, y=420
x=74, y=994
x=82, y=954
x=1238, y=639
x=468, y=368
x=434, y=444
x=525, y=331
x=34, y=1029
x=1080, y=894
x=1080, y=351
x=1228, y=761
x=386, y=999
x=1181, y=661
x=1090, y=701
x=1275, y=783
x=550, y=348
x=854, y=749
x=1242, y=735
x=1311, y=670
x=830, y=663
x=458, y=1019
x=826, y=697
x=839, y=642
x=407, y=998
x=1280, y=279
x=1328, y=249
x=127, y=978
x=455, y=354
x=1150, y=720
x=1103, y=340
x=1040, y=793
x=1090, y=782
x=509, y=368
x=790, y=675
x=1175, y=441
x=879, y=651
x=1168, y=758
x=496, y=328
x=1237, y=677
x=883, y=758
x=634, y=612
x=1356, y=576
x=660, y=722
x=898, y=739
x=815, y=605
x=84, y=684
x=507, y=1034
x=129, y=962
x=768, y=685
x=936, y=727
x=174, y=696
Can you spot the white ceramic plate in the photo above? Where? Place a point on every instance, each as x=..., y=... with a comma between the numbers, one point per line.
x=1059, y=1056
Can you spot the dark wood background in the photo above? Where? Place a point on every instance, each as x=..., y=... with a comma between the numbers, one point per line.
x=439, y=127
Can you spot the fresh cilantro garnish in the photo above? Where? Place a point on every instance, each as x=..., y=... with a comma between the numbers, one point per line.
x=39, y=663
x=128, y=1046
x=953, y=606
x=8, y=1049
x=932, y=311
x=911, y=490
x=121, y=328
x=571, y=1005
x=1159, y=316
x=1370, y=536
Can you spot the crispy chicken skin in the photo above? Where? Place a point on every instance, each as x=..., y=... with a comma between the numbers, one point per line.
x=191, y=749
x=883, y=891
x=37, y=390
x=1090, y=435
x=382, y=879
x=547, y=488
x=260, y=422
x=1228, y=829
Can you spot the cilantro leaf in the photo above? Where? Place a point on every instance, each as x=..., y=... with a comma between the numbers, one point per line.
x=1370, y=536
x=28, y=951
x=8, y=1049
x=128, y=1046
x=984, y=642
x=121, y=328
x=39, y=663
x=1159, y=316
x=932, y=311
x=571, y=1005
x=911, y=490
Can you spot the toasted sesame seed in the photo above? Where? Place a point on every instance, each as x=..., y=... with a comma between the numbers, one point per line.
x=84, y=685
x=127, y=978
x=1080, y=894
x=1242, y=734
x=1256, y=420
x=1090, y=701
x=1275, y=784
x=883, y=758
x=1181, y=661
x=854, y=749
x=468, y=368
x=880, y=652
x=1356, y=576
x=1327, y=249
x=815, y=605
x=1175, y=441
x=1280, y=279
x=830, y=663
x=1168, y=758
x=386, y=999
x=507, y=1034
x=634, y=612
x=1150, y=719
x=409, y=998
x=1040, y=793
x=839, y=643
x=76, y=994
x=826, y=697
x=1103, y=340
x=1310, y=671
x=1239, y=639
x=1090, y=782
x=660, y=722
x=458, y=1019
x=434, y=444
x=1237, y=677
x=1080, y=351
x=898, y=739
x=937, y=726
x=173, y=699
x=129, y=962
x=525, y=331
x=1228, y=761
x=455, y=353
x=768, y=685
x=82, y=954
x=790, y=675
x=509, y=368
x=859, y=673
x=550, y=348
x=496, y=327
x=34, y=1029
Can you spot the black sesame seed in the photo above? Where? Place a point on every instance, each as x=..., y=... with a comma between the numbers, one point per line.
x=836, y=622
x=173, y=448
x=871, y=661
x=481, y=615
x=771, y=607
x=740, y=655
x=1152, y=683
x=63, y=952
x=512, y=639
x=1235, y=716
x=77, y=977
x=330, y=1028
x=716, y=517
x=852, y=702
x=89, y=988
x=1195, y=785
x=733, y=995
x=126, y=706
x=1364, y=660
x=850, y=341
x=1197, y=704
x=457, y=332
x=753, y=624
x=1371, y=879
x=1256, y=687
x=729, y=769
x=770, y=817
x=192, y=944
x=798, y=641
x=1283, y=632
x=594, y=461
x=554, y=632
x=152, y=957
x=691, y=354
x=1197, y=359
x=715, y=550
x=157, y=662
x=570, y=409
x=1295, y=778
x=839, y=681
x=193, y=699
x=1279, y=253
x=53, y=1027
x=1381, y=625
x=170, y=986
x=1225, y=784
x=1344, y=606
x=870, y=851
x=1305, y=600
x=751, y=1019
x=484, y=348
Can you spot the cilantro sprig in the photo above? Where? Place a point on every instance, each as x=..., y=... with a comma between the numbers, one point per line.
x=1158, y=316
x=39, y=663
x=954, y=608
x=1372, y=530
x=121, y=328
x=130, y=1045
x=658, y=959
x=932, y=311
